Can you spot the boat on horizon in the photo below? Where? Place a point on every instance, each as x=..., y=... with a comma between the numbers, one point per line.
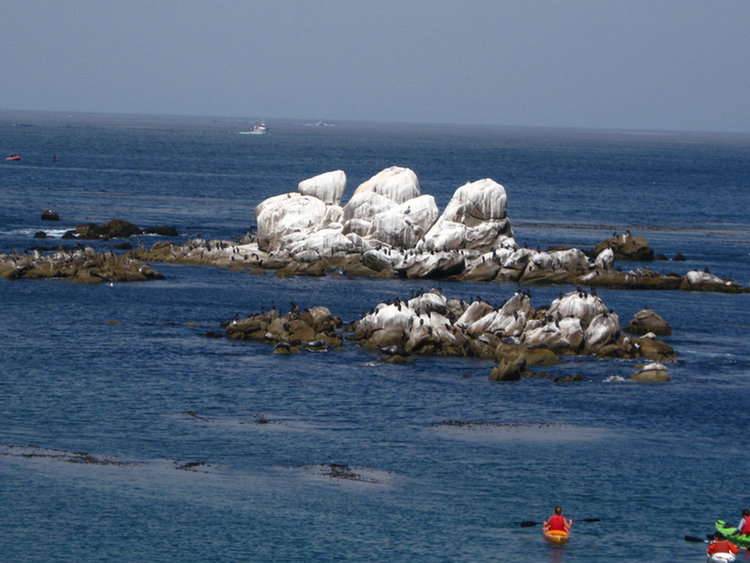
x=256, y=129
x=13, y=156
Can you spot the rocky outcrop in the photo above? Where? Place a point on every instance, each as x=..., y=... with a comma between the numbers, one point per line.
x=80, y=266
x=389, y=229
x=651, y=373
x=627, y=247
x=647, y=321
x=516, y=335
x=116, y=228
x=49, y=215
x=697, y=280
x=314, y=329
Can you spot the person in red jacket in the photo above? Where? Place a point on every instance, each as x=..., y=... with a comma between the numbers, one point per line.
x=557, y=521
x=744, y=526
x=721, y=545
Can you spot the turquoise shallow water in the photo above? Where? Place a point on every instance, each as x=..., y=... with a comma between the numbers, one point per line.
x=180, y=469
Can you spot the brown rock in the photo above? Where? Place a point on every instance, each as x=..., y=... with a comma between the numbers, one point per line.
x=626, y=247
x=646, y=321
x=508, y=370
x=652, y=373
x=654, y=349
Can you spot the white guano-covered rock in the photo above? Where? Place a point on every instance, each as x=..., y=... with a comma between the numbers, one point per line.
x=605, y=260
x=361, y=209
x=393, y=317
x=518, y=259
x=477, y=202
x=328, y=187
x=603, y=329
x=429, y=302
x=285, y=214
x=324, y=242
x=396, y=183
x=474, y=312
x=404, y=225
x=572, y=260
x=475, y=218
x=579, y=304
x=697, y=277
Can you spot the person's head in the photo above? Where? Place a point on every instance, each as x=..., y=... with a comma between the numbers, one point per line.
x=718, y=536
x=558, y=509
x=745, y=513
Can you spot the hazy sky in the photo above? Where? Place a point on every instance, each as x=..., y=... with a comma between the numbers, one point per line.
x=608, y=64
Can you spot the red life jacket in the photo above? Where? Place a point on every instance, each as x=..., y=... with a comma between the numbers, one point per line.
x=722, y=546
x=557, y=522
x=746, y=528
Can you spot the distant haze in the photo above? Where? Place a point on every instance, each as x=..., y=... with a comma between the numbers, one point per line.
x=675, y=65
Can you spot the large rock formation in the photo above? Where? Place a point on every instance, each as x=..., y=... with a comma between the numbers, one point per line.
x=515, y=334
x=575, y=323
x=388, y=229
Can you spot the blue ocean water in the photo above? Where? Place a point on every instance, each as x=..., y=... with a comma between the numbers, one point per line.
x=125, y=373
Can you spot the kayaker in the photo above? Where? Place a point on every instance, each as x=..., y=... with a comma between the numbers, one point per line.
x=720, y=544
x=557, y=521
x=744, y=526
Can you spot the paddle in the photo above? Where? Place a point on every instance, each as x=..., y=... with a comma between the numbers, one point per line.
x=529, y=523
x=699, y=540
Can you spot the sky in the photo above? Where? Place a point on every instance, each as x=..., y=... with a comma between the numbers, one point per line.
x=609, y=64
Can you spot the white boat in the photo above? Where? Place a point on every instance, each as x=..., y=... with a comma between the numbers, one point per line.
x=256, y=129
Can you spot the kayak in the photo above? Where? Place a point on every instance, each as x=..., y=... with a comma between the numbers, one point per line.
x=556, y=536
x=730, y=532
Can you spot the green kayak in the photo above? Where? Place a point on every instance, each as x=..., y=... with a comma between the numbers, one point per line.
x=742, y=540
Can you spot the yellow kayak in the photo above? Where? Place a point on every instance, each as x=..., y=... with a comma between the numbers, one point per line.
x=556, y=536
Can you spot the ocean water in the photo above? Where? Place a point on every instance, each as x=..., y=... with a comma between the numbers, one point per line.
x=202, y=449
